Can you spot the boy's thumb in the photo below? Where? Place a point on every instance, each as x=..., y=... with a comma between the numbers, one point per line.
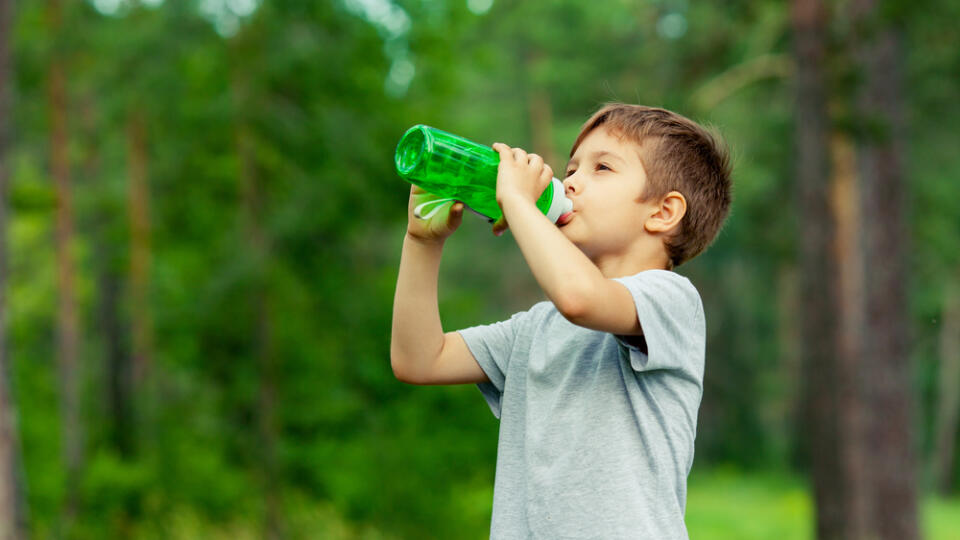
x=500, y=226
x=456, y=213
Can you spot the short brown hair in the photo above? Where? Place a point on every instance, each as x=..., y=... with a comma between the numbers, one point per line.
x=682, y=156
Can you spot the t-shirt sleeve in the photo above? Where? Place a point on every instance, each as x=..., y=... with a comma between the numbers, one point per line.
x=671, y=317
x=492, y=346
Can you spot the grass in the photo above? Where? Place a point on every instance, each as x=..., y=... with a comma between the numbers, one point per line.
x=724, y=504
x=727, y=504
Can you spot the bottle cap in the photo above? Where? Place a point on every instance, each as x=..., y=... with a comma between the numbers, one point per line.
x=560, y=204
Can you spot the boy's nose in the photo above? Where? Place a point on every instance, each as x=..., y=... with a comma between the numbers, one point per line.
x=570, y=184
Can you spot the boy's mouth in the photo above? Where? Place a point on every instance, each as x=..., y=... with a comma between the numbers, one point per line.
x=564, y=219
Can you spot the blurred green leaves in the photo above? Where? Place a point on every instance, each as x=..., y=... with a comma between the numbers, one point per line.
x=324, y=90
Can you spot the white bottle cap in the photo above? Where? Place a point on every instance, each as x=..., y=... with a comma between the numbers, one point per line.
x=560, y=204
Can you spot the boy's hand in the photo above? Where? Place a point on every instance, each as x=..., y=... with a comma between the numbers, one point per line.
x=431, y=218
x=520, y=177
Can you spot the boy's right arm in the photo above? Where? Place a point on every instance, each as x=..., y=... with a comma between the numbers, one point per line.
x=420, y=352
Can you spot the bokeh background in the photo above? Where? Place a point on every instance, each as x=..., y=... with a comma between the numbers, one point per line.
x=201, y=229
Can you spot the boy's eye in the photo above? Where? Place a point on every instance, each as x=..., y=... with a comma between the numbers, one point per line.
x=601, y=166
x=571, y=171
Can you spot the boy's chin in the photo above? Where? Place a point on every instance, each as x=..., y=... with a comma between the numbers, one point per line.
x=575, y=241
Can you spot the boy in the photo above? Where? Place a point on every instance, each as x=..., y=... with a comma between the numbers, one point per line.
x=597, y=390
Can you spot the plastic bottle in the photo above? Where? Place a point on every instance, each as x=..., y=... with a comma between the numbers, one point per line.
x=455, y=168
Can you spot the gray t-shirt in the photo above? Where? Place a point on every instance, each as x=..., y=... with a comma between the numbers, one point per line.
x=596, y=434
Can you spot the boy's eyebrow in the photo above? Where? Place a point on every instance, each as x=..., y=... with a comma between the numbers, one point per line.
x=597, y=155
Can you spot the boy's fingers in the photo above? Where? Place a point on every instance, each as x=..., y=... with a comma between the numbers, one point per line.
x=546, y=175
x=535, y=160
x=500, y=226
x=455, y=215
x=520, y=155
x=503, y=150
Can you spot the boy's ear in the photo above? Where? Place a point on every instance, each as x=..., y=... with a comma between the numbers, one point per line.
x=672, y=208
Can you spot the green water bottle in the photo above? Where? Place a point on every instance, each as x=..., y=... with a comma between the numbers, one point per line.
x=455, y=168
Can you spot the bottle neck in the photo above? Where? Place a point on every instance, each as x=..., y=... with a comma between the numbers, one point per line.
x=559, y=203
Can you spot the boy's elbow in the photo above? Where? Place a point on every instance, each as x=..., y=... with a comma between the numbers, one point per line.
x=402, y=369
x=573, y=305
x=399, y=367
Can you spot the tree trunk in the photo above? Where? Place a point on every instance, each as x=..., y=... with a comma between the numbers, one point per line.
x=817, y=322
x=138, y=206
x=67, y=325
x=256, y=239
x=886, y=378
x=109, y=279
x=119, y=377
x=819, y=286
x=948, y=396
x=12, y=523
x=541, y=114
x=845, y=199
x=11, y=517
x=789, y=366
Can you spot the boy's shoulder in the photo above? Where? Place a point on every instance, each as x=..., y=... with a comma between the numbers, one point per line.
x=659, y=296
x=646, y=283
x=670, y=284
x=659, y=281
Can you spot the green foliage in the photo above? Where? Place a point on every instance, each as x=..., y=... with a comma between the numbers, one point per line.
x=318, y=94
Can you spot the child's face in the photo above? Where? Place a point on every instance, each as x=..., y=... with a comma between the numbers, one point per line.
x=605, y=180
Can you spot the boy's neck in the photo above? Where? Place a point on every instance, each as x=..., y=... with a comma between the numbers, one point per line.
x=628, y=264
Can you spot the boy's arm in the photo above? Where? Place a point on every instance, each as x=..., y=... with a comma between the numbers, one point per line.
x=420, y=352
x=570, y=280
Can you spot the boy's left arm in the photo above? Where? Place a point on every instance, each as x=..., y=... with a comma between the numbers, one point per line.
x=571, y=281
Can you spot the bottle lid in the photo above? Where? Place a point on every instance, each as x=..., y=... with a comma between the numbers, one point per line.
x=560, y=204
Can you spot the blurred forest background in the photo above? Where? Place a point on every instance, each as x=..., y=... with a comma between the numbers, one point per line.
x=200, y=227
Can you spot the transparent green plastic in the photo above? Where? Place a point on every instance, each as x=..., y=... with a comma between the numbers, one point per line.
x=448, y=165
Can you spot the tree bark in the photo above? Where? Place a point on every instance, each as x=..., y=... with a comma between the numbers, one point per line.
x=67, y=324
x=889, y=433
x=829, y=444
x=948, y=395
x=138, y=205
x=788, y=355
x=109, y=281
x=886, y=378
x=263, y=345
x=541, y=113
x=845, y=205
x=11, y=518
x=119, y=377
x=12, y=522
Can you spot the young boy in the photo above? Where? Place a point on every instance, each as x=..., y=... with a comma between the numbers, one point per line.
x=596, y=390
